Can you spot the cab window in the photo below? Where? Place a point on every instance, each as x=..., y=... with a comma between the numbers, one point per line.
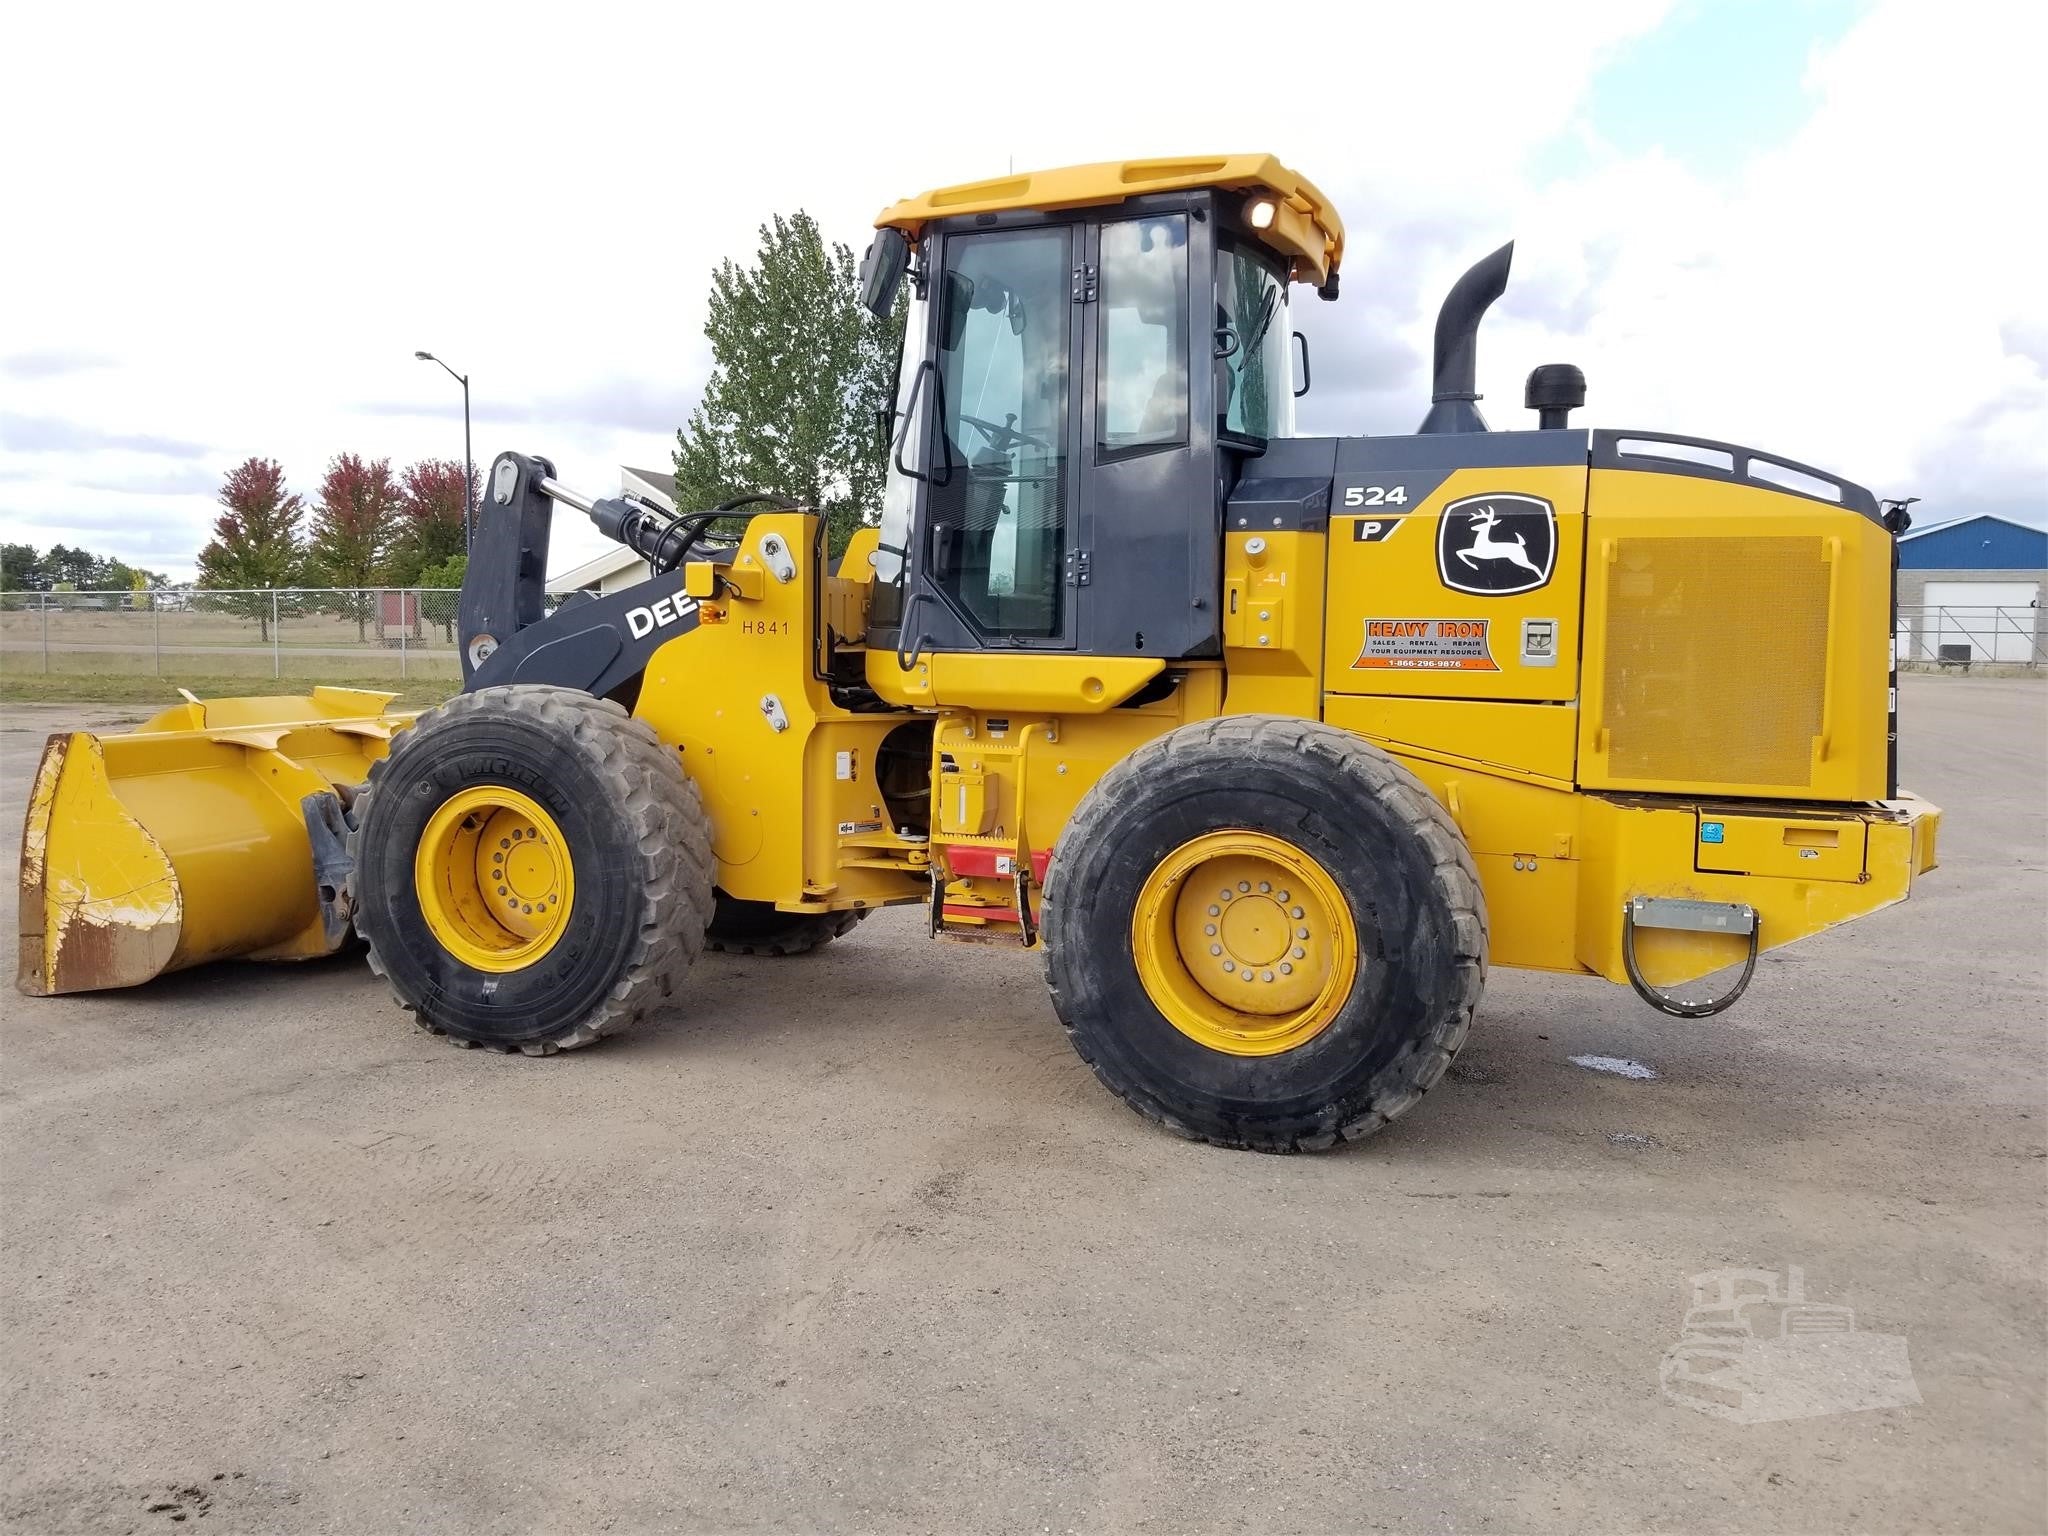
x=1255, y=392
x=1142, y=372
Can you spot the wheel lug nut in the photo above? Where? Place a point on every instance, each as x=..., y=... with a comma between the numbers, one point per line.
x=1298, y=913
x=1300, y=953
x=1301, y=933
x=1266, y=976
x=1286, y=969
x=1227, y=894
x=1214, y=910
x=1265, y=886
x=1209, y=929
x=1229, y=967
x=1215, y=949
x=1244, y=885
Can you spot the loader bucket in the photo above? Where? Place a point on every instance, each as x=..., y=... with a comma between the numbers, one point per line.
x=212, y=832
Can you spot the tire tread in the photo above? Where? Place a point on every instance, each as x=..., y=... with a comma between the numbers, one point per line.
x=1401, y=1083
x=670, y=828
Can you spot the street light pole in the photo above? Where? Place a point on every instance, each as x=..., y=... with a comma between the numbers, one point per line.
x=468, y=464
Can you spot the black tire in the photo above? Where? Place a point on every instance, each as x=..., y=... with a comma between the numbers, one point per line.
x=757, y=928
x=640, y=850
x=1395, y=856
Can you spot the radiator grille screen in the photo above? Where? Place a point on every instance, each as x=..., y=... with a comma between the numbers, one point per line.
x=1716, y=660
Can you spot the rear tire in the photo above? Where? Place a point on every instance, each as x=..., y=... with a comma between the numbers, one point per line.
x=1319, y=1038
x=758, y=928
x=619, y=869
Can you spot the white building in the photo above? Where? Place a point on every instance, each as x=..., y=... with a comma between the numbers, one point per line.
x=618, y=567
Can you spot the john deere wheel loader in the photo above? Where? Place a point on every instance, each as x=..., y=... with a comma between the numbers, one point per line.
x=1269, y=744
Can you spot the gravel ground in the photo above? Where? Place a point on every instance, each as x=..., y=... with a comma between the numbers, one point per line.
x=853, y=1242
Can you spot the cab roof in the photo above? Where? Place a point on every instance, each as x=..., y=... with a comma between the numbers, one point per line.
x=1305, y=226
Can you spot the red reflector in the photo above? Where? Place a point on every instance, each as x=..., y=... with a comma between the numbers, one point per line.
x=966, y=859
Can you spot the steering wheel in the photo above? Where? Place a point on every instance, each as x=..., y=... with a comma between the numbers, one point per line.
x=1005, y=437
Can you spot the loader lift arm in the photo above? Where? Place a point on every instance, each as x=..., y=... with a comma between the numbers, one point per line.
x=598, y=645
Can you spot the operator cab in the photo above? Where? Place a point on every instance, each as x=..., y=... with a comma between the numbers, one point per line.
x=1090, y=357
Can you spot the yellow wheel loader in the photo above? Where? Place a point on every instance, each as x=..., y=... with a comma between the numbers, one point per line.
x=1269, y=744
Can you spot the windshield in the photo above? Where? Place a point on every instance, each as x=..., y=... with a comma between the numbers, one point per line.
x=1256, y=378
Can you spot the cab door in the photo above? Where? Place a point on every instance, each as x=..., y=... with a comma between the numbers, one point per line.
x=998, y=474
x=1147, y=565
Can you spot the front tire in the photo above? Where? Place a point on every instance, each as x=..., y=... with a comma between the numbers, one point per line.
x=1263, y=932
x=532, y=869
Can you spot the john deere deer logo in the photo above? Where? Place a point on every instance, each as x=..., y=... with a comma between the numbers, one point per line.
x=1494, y=546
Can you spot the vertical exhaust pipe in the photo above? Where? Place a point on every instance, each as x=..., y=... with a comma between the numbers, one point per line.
x=1457, y=344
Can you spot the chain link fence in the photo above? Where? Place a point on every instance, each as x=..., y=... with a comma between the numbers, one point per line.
x=308, y=633
x=365, y=633
x=1941, y=635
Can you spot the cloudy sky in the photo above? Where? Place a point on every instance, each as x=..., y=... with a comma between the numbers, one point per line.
x=1799, y=224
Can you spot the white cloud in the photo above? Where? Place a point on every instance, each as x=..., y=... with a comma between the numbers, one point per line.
x=1859, y=296
x=259, y=212
x=238, y=234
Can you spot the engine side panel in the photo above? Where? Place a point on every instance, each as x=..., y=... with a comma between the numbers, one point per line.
x=1468, y=589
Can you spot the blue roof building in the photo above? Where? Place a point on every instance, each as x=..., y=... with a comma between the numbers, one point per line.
x=1970, y=591
x=1984, y=543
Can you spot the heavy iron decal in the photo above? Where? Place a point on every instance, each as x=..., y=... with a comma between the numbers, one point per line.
x=1497, y=545
x=1426, y=645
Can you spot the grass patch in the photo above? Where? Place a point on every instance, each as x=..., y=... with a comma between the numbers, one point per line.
x=162, y=692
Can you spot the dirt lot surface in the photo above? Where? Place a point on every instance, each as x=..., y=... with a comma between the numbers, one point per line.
x=854, y=1242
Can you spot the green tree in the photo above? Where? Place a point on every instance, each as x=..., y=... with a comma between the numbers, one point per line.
x=21, y=569
x=119, y=576
x=354, y=525
x=75, y=570
x=256, y=542
x=798, y=371
x=441, y=592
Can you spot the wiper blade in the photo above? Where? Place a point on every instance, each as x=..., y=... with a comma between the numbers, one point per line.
x=1268, y=307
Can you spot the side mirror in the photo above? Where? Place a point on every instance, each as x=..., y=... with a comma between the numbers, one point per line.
x=881, y=271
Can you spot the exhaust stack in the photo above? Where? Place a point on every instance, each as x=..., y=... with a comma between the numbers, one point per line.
x=1457, y=354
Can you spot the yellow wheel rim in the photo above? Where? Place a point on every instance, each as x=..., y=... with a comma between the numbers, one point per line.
x=1244, y=943
x=494, y=879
